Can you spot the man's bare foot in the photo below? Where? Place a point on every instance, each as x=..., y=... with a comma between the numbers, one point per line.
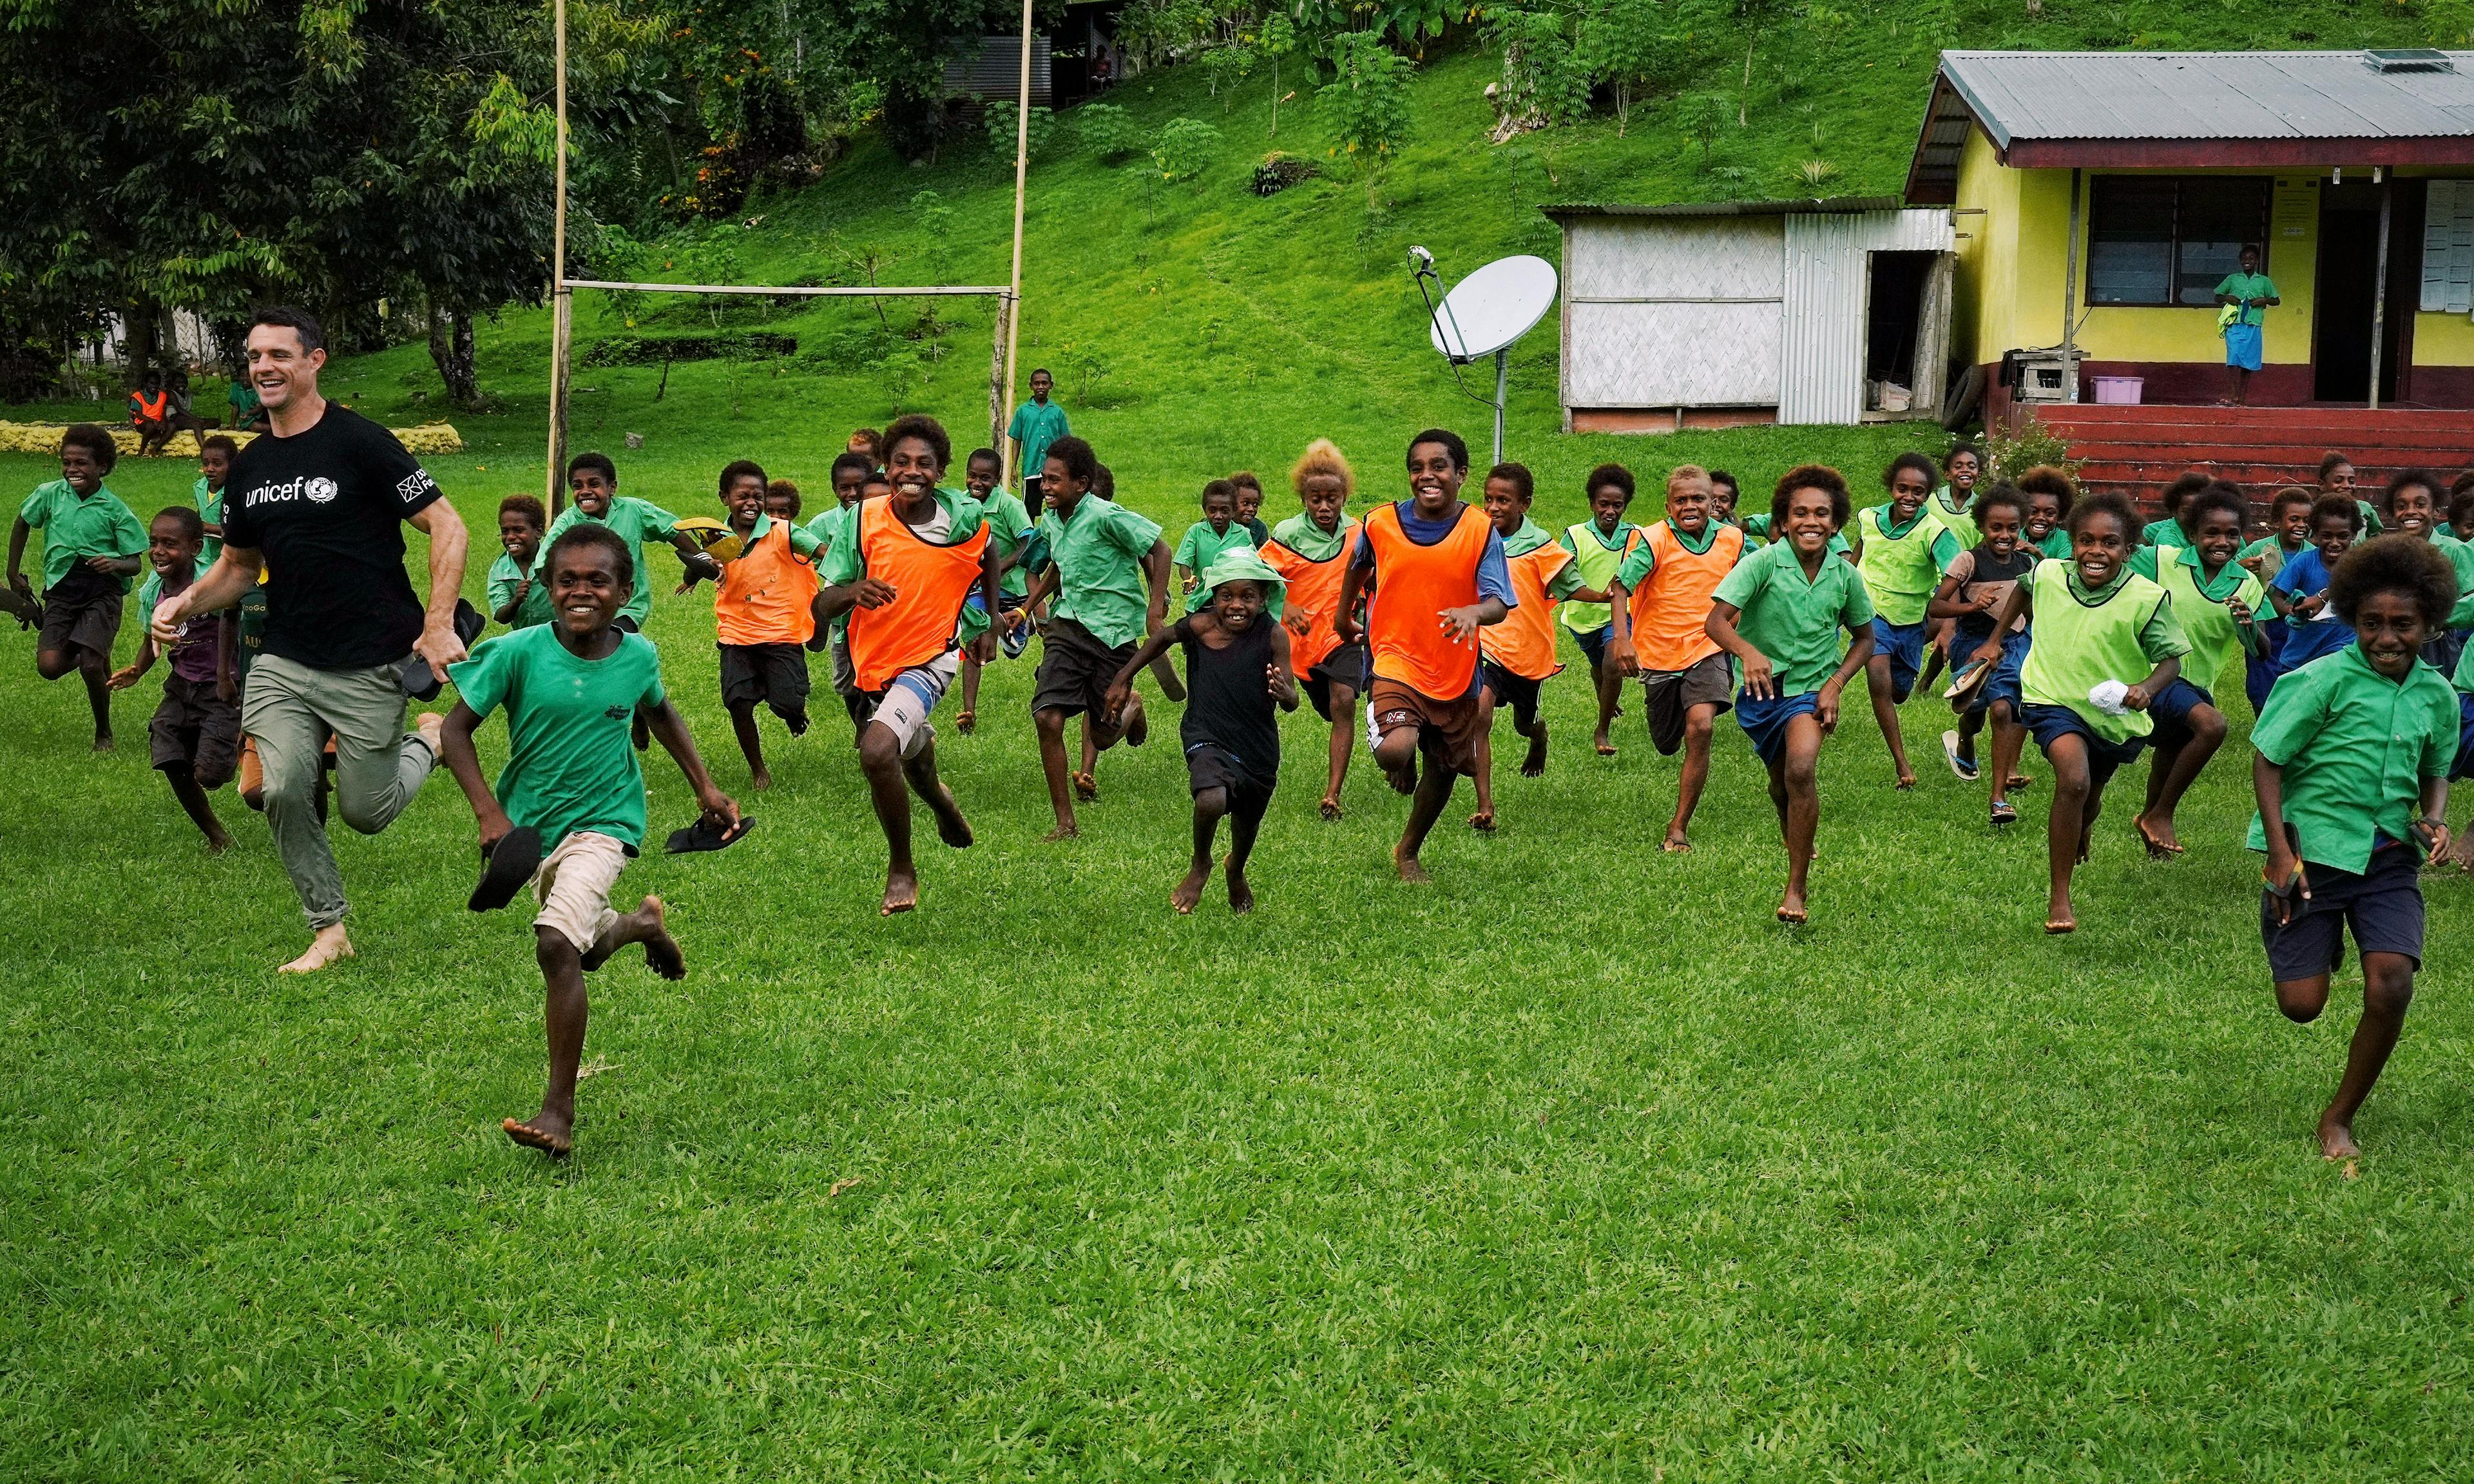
x=901, y=890
x=1791, y=908
x=326, y=948
x=432, y=727
x=1482, y=821
x=1535, y=763
x=102, y=742
x=951, y=827
x=662, y=953
x=1407, y=866
x=1086, y=788
x=1331, y=809
x=2337, y=1140
x=1241, y=893
x=547, y=1132
x=1677, y=842
x=2158, y=838
x=761, y=779
x=1066, y=830
x=1189, y=890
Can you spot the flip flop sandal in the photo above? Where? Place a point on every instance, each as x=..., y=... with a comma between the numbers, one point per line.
x=705, y=835
x=507, y=868
x=423, y=682
x=2004, y=814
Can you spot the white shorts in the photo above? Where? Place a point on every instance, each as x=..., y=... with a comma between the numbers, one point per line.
x=574, y=886
x=908, y=698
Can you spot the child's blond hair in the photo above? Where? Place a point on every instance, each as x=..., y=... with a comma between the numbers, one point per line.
x=1683, y=474
x=1323, y=455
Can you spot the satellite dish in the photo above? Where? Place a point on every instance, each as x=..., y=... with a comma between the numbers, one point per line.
x=1492, y=307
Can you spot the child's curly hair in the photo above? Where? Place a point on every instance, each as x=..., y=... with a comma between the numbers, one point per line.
x=1810, y=476
x=2107, y=502
x=1323, y=457
x=2395, y=563
x=2045, y=479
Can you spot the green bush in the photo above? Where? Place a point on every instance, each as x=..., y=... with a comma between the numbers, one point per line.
x=1001, y=125
x=1185, y=148
x=1108, y=131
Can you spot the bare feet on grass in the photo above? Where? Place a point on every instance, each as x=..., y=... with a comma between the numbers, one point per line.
x=1535, y=764
x=2157, y=836
x=1066, y=830
x=2337, y=1140
x=662, y=953
x=552, y=1133
x=329, y=945
x=1482, y=821
x=1189, y=890
x=1605, y=747
x=1086, y=788
x=102, y=742
x=761, y=779
x=2461, y=854
x=1241, y=892
x=219, y=842
x=950, y=826
x=901, y=890
x=1792, y=909
x=2059, y=917
x=1331, y=809
x=1407, y=866
x=1677, y=842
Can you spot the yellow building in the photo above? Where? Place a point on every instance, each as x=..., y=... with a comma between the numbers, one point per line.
x=2101, y=197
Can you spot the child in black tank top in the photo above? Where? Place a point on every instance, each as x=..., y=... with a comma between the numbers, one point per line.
x=1236, y=671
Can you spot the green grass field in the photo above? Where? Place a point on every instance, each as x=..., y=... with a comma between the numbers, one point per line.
x=1572, y=1165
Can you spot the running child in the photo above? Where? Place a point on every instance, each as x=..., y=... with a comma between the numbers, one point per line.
x=1010, y=529
x=194, y=740
x=2352, y=759
x=215, y=453
x=1779, y=613
x=2461, y=507
x=764, y=614
x=781, y=500
x=1249, y=506
x=93, y=543
x=2336, y=477
x=2216, y=601
x=2412, y=504
x=2288, y=536
x=1236, y=670
x=1724, y=494
x=2299, y=592
x=1597, y=546
x=2050, y=494
x=904, y=578
x=1901, y=549
x=1310, y=551
x=1207, y=539
x=568, y=687
x=1516, y=657
x=516, y=599
x=1659, y=619
x=592, y=482
x=1437, y=574
x=1107, y=570
x=2096, y=621
x=2167, y=529
x=1953, y=504
x=1977, y=586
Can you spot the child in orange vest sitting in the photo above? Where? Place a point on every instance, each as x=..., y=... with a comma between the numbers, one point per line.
x=761, y=615
x=904, y=577
x=1517, y=656
x=1661, y=608
x=1437, y=573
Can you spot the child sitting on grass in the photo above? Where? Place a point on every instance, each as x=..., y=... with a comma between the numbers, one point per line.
x=1974, y=588
x=1207, y=539
x=1779, y=613
x=2299, y=592
x=92, y=544
x=195, y=737
x=2095, y=622
x=568, y=687
x=1236, y=671
x=764, y=615
x=516, y=599
x=2353, y=753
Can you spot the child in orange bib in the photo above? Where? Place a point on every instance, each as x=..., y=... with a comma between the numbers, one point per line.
x=1310, y=550
x=1663, y=593
x=1516, y=657
x=761, y=615
x=1437, y=573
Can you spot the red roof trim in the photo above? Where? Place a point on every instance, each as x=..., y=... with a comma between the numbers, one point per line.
x=2222, y=154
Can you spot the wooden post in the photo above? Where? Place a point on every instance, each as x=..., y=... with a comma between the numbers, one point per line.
x=2380, y=294
x=561, y=304
x=2071, y=294
x=1011, y=311
x=998, y=389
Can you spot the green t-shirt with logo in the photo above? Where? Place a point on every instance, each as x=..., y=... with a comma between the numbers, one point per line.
x=569, y=764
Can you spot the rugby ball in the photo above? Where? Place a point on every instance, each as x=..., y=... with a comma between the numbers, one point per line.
x=712, y=537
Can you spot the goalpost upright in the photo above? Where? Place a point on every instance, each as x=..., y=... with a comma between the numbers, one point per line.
x=1007, y=295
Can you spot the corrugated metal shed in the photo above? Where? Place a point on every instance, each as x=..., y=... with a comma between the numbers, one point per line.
x=2168, y=109
x=991, y=68
x=1821, y=353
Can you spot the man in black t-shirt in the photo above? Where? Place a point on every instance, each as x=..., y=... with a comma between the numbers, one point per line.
x=321, y=500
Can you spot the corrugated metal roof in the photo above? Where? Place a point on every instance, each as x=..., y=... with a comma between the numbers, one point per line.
x=1691, y=208
x=2209, y=95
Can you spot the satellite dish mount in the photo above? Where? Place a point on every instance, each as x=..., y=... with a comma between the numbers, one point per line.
x=1484, y=313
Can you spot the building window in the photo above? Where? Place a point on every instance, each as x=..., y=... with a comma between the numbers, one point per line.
x=2163, y=240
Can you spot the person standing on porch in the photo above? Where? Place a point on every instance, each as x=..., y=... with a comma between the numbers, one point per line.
x=2248, y=294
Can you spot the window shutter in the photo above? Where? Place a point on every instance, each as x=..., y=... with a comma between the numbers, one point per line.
x=2448, y=248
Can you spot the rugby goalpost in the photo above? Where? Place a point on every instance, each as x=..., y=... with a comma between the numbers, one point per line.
x=1007, y=295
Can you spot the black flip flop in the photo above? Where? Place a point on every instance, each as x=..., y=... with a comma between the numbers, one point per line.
x=419, y=680
x=504, y=871
x=705, y=835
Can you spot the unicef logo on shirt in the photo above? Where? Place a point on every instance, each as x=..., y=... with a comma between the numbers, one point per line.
x=321, y=489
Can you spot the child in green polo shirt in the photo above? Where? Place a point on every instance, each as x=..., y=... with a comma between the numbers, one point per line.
x=1780, y=613
x=572, y=788
x=594, y=482
x=2354, y=752
x=2095, y=622
x=2050, y=494
x=2216, y=601
x=215, y=454
x=1209, y=539
x=91, y=546
x=1009, y=530
x=516, y=599
x=1901, y=549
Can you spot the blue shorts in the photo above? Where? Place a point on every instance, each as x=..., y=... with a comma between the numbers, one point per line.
x=1013, y=643
x=2004, y=685
x=2241, y=346
x=1593, y=643
x=2464, y=767
x=1765, y=721
x=1904, y=644
x=2172, y=711
x=2383, y=906
x=2259, y=671
x=2050, y=724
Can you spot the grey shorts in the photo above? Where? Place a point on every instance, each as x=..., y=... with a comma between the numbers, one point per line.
x=1672, y=694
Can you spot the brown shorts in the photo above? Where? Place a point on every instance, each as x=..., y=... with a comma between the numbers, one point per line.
x=1709, y=681
x=195, y=729
x=1447, y=730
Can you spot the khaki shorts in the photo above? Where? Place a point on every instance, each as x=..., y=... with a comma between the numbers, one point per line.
x=574, y=886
